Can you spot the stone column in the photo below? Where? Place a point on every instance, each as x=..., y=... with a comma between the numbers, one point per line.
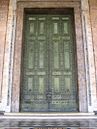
x=8, y=58
x=89, y=56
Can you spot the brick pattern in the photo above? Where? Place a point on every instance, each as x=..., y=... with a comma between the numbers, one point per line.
x=93, y=14
x=3, y=23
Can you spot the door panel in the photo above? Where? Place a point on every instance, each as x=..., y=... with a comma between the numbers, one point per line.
x=48, y=78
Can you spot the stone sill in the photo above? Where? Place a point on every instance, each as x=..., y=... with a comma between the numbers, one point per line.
x=49, y=114
x=42, y=116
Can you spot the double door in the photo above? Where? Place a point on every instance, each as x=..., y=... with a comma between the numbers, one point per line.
x=48, y=69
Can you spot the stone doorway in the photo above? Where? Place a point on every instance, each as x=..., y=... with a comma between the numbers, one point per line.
x=17, y=80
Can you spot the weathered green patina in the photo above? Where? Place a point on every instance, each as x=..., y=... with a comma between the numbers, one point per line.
x=48, y=75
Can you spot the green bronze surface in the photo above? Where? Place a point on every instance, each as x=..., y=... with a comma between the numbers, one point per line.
x=49, y=74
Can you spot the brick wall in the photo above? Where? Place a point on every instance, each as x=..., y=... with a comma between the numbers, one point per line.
x=93, y=15
x=3, y=23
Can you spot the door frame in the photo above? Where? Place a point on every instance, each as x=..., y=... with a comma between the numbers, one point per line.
x=82, y=91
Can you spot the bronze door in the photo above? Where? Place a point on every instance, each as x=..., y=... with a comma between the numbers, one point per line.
x=48, y=70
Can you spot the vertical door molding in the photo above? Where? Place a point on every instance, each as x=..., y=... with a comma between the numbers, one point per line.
x=17, y=61
x=19, y=41
x=89, y=56
x=80, y=63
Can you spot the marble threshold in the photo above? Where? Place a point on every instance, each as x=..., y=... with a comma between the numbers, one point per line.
x=31, y=115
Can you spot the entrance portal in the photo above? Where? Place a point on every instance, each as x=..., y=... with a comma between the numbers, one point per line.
x=49, y=66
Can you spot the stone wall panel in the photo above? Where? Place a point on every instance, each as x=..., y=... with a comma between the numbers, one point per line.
x=3, y=25
x=93, y=14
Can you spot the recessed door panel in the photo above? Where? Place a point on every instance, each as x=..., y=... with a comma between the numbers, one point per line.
x=48, y=78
